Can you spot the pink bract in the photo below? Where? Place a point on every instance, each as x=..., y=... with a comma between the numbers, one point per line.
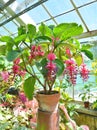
x=51, y=56
x=5, y=75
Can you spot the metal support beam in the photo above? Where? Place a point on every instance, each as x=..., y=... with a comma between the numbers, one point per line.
x=87, y=34
x=22, y=12
x=49, y=14
x=7, y=4
x=77, y=11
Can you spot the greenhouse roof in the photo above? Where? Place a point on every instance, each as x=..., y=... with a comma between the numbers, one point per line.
x=14, y=13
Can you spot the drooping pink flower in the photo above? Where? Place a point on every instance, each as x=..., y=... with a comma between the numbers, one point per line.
x=51, y=56
x=17, y=61
x=41, y=53
x=68, y=53
x=5, y=75
x=16, y=69
x=84, y=72
x=35, y=52
x=33, y=48
x=22, y=97
x=70, y=62
x=22, y=73
x=71, y=70
x=51, y=66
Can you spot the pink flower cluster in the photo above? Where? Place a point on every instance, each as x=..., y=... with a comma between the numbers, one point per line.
x=35, y=52
x=71, y=70
x=68, y=52
x=5, y=75
x=51, y=67
x=84, y=72
x=17, y=69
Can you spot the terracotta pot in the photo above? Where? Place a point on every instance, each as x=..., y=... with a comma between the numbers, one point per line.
x=48, y=115
x=47, y=102
x=86, y=104
x=47, y=120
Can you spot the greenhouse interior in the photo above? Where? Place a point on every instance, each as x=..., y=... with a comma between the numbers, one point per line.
x=48, y=65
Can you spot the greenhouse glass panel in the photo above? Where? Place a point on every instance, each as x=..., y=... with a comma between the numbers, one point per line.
x=11, y=26
x=38, y=14
x=57, y=7
x=3, y=31
x=89, y=15
x=82, y=2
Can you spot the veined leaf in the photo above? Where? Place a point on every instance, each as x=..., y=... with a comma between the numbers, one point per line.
x=42, y=66
x=29, y=87
x=43, y=38
x=9, y=42
x=45, y=30
x=20, y=38
x=79, y=59
x=3, y=50
x=67, y=30
x=21, y=30
x=88, y=54
x=86, y=46
x=31, y=31
x=11, y=55
x=60, y=66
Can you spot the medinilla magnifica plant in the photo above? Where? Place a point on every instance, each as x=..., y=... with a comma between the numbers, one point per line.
x=49, y=51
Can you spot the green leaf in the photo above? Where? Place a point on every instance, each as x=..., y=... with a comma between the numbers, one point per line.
x=9, y=41
x=29, y=87
x=60, y=66
x=11, y=55
x=3, y=50
x=45, y=30
x=42, y=66
x=77, y=43
x=88, y=54
x=67, y=30
x=6, y=39
x=31, y=31
x=20, y=38
x=43, y=38
x=21, y=30
x=86, y=46
x=79, y=59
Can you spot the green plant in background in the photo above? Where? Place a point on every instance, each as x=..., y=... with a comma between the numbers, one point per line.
x=86, y=95
x=94, y=69
x=47, y=52
x=94, y=105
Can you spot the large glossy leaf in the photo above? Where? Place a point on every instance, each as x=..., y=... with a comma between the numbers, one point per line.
x=79, y=59
x=86, y=46
x=43, y=38
x=60, y=66
x=45, y=30
x=11, y=55
x=9, y=42
x=6, y=39
x=31, y=31
x=20, y=38
x=42, y=66
x=67, y=30
x=29, y=87
x=2, y=62
x=21, y=30
x=88, y=54
x=3, y=50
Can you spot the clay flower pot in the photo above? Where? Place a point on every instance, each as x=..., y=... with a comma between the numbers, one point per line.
x=86, y=104
x=48, y=115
